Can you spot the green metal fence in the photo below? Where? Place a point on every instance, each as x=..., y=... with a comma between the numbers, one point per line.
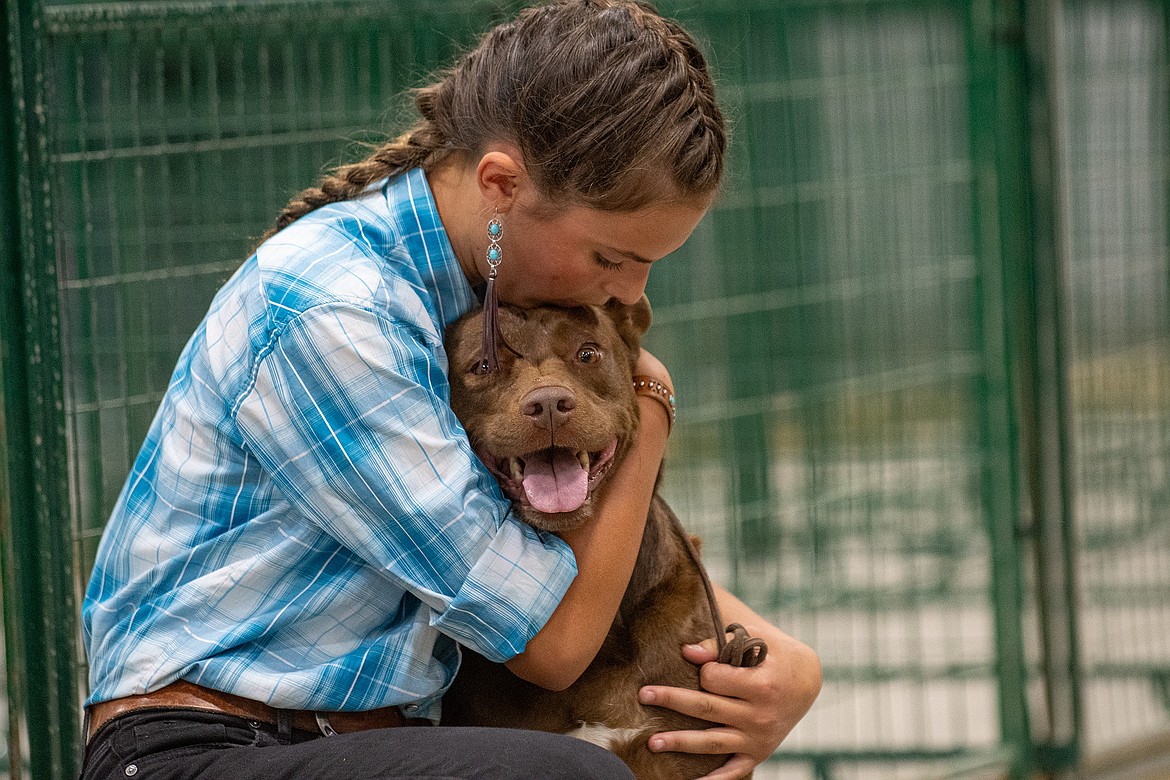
x=922, y=343
x=1115, y=150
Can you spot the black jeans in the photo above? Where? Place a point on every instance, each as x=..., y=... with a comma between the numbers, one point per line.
x=179, y=743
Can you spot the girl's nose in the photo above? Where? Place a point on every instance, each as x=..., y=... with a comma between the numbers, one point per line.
x=631, y=290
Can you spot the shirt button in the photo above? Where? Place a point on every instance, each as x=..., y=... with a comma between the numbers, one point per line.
x=131, y=770
x=410, y=709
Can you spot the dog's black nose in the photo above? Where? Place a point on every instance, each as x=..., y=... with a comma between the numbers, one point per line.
x=548, y=406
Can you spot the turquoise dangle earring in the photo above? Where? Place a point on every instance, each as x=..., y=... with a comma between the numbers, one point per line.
x=490, y=358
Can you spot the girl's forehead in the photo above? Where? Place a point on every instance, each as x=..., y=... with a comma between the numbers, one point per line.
x=645, y=234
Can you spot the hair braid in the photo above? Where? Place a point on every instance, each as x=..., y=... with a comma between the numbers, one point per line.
x=422, y=145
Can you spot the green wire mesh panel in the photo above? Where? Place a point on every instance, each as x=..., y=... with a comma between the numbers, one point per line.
x=181, y=134
x=1116, y=146
x=825, y=324
x=823, y=329
x=822, y=325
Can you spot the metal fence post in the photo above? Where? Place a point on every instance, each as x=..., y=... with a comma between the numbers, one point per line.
x=999, y=143
x=39, y=587
x=1047, y=445
x=9, y=393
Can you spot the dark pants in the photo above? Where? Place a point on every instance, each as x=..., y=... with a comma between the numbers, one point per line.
x=178, y=743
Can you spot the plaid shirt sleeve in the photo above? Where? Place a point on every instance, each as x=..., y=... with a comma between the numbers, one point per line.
x=348, y=410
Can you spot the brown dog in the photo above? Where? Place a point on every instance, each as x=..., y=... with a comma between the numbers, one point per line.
x=551, y=423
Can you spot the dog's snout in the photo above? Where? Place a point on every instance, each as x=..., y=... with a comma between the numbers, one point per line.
x=548, y=406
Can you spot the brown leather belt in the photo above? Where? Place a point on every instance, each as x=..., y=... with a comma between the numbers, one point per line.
x=187, y=695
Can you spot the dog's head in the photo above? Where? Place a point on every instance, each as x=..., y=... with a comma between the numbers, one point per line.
x=560, y=412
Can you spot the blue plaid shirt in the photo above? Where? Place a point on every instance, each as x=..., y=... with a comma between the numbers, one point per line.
x=306, y=524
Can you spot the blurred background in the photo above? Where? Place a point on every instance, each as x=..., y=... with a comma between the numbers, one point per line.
x=922, y=344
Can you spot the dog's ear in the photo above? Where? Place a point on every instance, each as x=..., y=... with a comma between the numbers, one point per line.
x=696, y=542
x=632, y=321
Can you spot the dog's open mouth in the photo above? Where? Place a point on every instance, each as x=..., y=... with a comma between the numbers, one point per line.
x=553, y=480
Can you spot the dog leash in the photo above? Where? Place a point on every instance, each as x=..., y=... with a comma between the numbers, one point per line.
x=742, y=649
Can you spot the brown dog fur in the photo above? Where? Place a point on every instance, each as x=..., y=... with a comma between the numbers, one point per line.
x=591, y=353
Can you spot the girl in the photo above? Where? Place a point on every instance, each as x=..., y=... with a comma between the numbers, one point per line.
x=306, y=533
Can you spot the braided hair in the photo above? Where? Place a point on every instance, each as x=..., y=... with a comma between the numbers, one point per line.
x=601, y=97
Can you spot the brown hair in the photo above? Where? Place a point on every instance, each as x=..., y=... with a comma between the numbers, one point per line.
x=600, y=96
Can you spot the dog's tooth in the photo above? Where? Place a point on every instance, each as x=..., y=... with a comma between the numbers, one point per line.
x=514, y=468
x=583, y=457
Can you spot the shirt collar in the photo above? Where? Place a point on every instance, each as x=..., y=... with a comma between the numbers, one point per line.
x=412, y=207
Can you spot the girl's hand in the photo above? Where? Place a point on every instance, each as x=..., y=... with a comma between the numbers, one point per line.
x=759, y=706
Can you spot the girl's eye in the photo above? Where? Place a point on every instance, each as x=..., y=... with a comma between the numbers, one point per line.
x=589, y=354
x=601, y=261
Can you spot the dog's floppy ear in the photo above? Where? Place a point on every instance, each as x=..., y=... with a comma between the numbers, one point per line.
x=632, y=321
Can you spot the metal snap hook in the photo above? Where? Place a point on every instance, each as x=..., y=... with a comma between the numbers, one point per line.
x=323, y=725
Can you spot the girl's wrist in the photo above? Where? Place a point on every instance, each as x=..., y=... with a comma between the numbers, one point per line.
x=661, y=393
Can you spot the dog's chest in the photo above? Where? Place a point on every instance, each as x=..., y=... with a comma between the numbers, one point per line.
x=605, y=736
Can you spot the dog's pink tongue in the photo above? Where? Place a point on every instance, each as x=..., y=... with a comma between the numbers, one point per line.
x=554, y=481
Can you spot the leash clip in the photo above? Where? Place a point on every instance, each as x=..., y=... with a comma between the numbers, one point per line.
x=323, y=724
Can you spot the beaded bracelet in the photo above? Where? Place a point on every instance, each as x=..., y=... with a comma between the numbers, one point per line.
x=652, y=388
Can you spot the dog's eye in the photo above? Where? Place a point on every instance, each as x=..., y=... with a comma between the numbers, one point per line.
x=589, y=353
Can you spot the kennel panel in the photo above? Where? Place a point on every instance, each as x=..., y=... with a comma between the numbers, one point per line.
x=177, y=132
x=840, y=327
x=824, y=328
x=181, y=133
x=1114, y=142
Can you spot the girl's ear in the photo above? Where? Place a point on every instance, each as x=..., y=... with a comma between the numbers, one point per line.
x=499, y=174
x=632, y=321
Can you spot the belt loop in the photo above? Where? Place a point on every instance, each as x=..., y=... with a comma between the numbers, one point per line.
x=284, y=719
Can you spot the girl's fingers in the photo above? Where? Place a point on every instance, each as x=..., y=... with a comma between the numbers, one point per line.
x=697, y=704
x=713, y=740
x=701, y=653
x=739, y=766
x=748, y=683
